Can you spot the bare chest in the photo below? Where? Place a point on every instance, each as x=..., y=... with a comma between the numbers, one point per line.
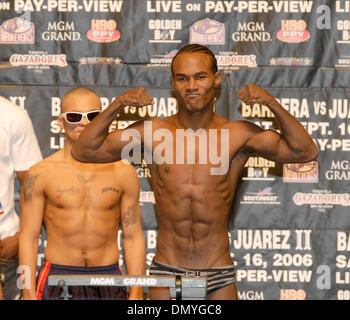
x=83, y=189
x=189, y=182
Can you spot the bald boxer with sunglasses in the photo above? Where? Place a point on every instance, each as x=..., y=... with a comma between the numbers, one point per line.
x=82, y=206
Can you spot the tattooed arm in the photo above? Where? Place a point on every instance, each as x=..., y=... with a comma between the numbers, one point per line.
x=30, y=226
x=133, y=239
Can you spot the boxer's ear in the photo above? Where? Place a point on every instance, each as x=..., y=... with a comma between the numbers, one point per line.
x=60, y=122
x=217, y=80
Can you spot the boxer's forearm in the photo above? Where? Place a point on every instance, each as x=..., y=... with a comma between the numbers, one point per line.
x=292, y=131
x=94, y=143
x=28, y=251
x=293, y=142
x=135, y=261
x=87, y=147
x=135, y=255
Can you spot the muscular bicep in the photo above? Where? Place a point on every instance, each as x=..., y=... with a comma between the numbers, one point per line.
x=271, y=145
x=113, y=147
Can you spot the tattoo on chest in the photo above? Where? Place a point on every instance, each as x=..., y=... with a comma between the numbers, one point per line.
x=28, y=186
x=84, y=180
x=129, y=217
x=70, y=191
x=113, y=189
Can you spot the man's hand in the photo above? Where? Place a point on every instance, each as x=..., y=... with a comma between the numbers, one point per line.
x=29, y=296
x=9, y=247
x=135, y=293
x=138, y=97
x=251, y=94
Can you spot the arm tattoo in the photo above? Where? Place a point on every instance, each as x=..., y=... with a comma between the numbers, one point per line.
x=28, y=187
x=130, y=216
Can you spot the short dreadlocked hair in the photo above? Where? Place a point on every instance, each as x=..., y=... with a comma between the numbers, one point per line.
x=197, y=48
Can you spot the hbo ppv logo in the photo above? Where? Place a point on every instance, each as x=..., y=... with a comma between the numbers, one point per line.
x=292, y=294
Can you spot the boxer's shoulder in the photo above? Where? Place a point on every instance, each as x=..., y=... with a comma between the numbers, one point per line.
x=49, y=167
x=124, y=169
x=44, y=164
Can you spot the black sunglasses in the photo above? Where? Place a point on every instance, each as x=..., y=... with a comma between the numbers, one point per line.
x=76, y=117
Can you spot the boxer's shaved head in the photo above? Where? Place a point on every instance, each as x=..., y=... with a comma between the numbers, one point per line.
x=72, y=97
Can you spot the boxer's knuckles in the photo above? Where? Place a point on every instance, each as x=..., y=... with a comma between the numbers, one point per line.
x=137, y=97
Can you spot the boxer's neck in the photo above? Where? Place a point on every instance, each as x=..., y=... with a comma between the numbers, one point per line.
x=196, y=120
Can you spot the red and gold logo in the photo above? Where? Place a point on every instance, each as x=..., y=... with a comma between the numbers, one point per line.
x=301, y=172
x=103, y=31
x=293, y=31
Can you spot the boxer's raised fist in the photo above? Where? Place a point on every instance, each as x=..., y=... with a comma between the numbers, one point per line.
x=137, y=97
x=251, y=94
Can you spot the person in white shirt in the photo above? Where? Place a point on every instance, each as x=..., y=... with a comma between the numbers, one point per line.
x=19, y=150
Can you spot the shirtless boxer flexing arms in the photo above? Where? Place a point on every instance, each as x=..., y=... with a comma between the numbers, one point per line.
x=192, y=201
x=81, y=206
